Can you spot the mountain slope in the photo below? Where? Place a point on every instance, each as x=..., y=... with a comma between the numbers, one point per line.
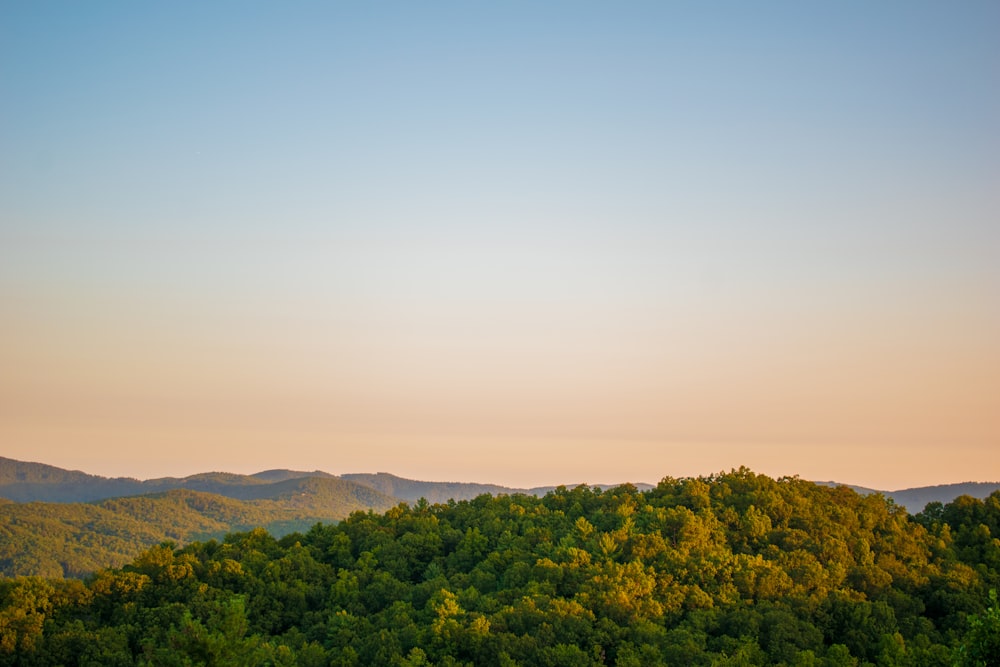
x=25, y=472
x=73, y=539
x=28, y=482
x=281, y=475
x=735, y=568
x=916, y=499
x=434, y=492
x=441, y=492
x=25, y=481
x=327, y=494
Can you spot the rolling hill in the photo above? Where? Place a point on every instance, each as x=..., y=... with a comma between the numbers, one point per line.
x=916, y=499
x=26, y=482
x=435, y=492
x=73, y=539
x=441, y=492
x=56, y=522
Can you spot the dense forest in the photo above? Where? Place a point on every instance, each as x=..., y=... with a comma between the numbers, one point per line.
x=732, y=569
x=76, y=539
x=23, y=481
x=70, y=523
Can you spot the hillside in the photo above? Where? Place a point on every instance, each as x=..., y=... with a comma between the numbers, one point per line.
x=332, y=495
x=73, y=539
x=123, y=516
x=281, y=475
x=916, y=499
x=733, y=569
x=434, y=492
x=440, y=492
x=28, y=482
x=24, y=481
x=24, y=472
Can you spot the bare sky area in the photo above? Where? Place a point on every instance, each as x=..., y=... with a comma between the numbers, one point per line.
x=522, y=243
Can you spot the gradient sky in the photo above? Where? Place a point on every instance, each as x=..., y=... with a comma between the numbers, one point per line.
x=512, y=242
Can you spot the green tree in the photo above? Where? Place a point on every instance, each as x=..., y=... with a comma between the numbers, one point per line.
x=981, y=645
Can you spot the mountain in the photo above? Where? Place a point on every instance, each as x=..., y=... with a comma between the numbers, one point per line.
x=24, y=482
x=735, y=568
x=27, y=482
x=435, y=492
x=916, y=499
x=441, y=492
x=330, y=495
x=23, y=472
x=57, y=522
x=282, y=475
x=73, y=539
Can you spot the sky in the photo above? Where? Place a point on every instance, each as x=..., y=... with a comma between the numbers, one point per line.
x=514, y=242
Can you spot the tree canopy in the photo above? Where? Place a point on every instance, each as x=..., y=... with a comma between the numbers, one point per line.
x=731, y=569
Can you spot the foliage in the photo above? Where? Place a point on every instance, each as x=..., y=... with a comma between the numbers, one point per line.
x=732, y=569
x=29, y=482
x=75, y=539
x=981, y=645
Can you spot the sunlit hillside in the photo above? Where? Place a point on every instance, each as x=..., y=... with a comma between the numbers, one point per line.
x=735, y=568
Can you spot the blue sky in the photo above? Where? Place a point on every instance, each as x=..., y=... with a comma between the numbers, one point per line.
x=562, y=227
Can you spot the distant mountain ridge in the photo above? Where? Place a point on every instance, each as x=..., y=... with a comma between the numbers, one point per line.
x=441, y=492
x=74, y=539
x=56, y=539
x=434, y=492
x=23, y=481
x=56, y=522
x=917, y=498
x=281, y=475
x=29, y=482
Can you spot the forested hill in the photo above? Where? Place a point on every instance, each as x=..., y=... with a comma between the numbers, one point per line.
x=26, y=482
x=732, y=569
x=23, y=472
x=435, y=492
x=75, y=539
x=918, y=498
x=440, y=492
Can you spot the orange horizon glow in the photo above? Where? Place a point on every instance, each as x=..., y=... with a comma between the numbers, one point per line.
x=581, y=243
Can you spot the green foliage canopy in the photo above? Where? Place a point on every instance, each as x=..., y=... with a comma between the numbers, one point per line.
x=732, y=569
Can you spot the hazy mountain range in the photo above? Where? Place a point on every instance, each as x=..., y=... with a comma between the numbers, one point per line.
x=56, y=522
x=916, y=499
x=22, y=481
